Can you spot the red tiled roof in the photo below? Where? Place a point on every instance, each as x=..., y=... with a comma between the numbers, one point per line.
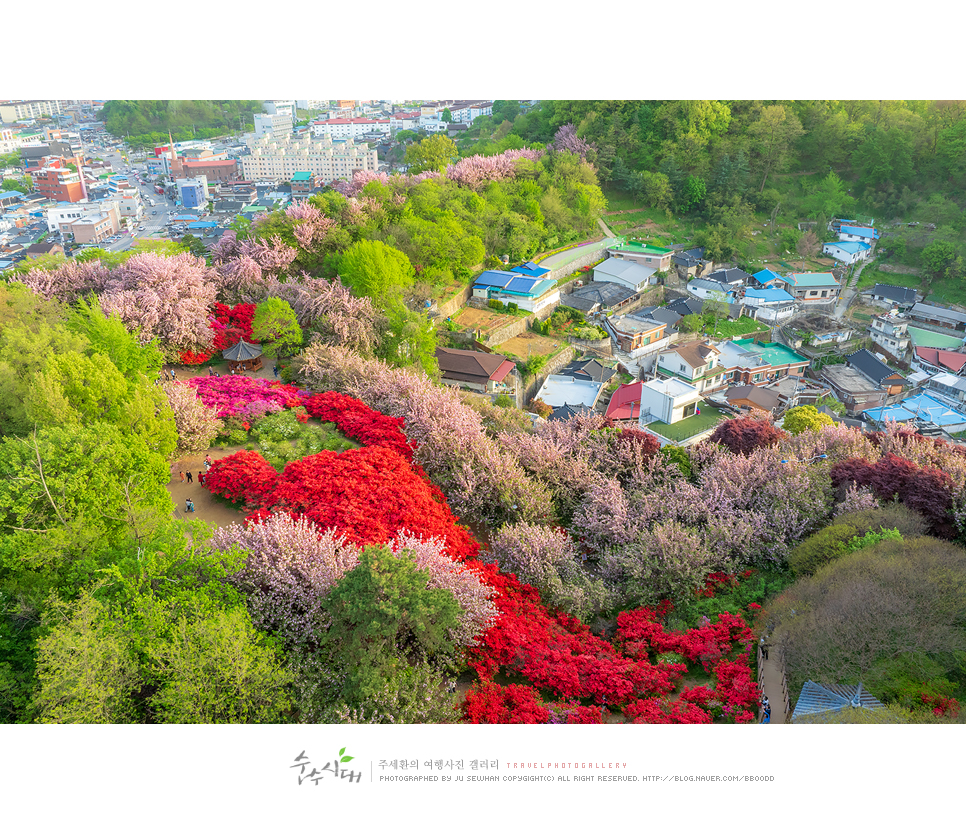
x=620, y=405
x=941, y=357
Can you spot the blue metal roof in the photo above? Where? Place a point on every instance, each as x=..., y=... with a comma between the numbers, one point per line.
x=769, y=295
x=203, y=225
x=850, y=247
x=494, y=278
x=530, y=269
x=865, y=233
x=6, y=194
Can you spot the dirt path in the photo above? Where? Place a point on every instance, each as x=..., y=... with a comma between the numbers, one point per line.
x=205, y=506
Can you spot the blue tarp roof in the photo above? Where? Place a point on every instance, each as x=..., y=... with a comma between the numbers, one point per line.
x=819, y=699
x=203, y=225
x=920, y=406
x=865, y=233
x=769, y=295
x=765, y=274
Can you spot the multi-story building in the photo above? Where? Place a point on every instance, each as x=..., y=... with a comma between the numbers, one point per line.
x=274, y=126
x=695, y=362
x=26, y=110
x=303, y=184
x=340, y=128
x=281, y=158
x=751, y=363
x=56, y=181
x=891, y=332
x=61, y=217
x=192, y=193
x=280, y=108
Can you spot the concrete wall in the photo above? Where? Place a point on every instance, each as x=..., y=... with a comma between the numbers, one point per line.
x=450, y=307
x=566, y=270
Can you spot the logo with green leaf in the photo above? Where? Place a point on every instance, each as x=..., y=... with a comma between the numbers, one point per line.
x=343, y=758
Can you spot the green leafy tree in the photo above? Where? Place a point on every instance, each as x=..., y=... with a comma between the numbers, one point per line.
x=164, y=639
x=446, y=116
x=773, y=139
x=370, y=268
x=276, y=326
x=433, y=154
x=940, y=259
x=384, y=618
x=690, y=323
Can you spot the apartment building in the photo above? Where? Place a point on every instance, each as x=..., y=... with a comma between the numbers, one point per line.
x=26, y=110
x=276, y=126
x=342, y=128
x=282, y=158
x=85, y=220
x=56, y=181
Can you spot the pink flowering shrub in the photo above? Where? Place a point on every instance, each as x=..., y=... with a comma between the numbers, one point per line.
x=236, y=395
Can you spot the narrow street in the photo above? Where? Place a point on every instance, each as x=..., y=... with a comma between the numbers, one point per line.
x=850, y=290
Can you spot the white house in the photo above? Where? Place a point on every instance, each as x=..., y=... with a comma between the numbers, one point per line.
x=623, y=272
x=891, y=332
x=563, y=390
x=668, y=399
x=708, y=290
x=858, y=233
x=847, y=252
x=771, y=305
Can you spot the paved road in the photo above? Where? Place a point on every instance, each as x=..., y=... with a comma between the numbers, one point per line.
x=850, y=290
x=152, y=226
x=568, y=256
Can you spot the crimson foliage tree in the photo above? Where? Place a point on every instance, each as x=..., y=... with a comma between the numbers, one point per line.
x=927, y=490
x=745, y=435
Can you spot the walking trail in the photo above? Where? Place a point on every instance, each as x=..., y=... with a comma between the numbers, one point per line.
x=771, y=681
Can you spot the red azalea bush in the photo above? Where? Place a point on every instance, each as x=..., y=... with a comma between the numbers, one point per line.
x=656, y=710
x=229, y=324
x=370, y=494
x=942, y=707
x=358, y=421
x=243, y=477
x=490, y=703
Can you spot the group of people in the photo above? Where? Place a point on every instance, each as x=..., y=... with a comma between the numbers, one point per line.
x=187, y=477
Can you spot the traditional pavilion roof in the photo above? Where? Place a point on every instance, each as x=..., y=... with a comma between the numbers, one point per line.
x=242, y=351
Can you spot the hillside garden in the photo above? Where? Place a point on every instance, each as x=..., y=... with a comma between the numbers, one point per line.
x=402, y=556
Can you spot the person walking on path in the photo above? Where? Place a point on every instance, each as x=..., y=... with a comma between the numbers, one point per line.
x=275, y=369
x=190, y=480
x=764, y=647
x=207, y=462
x=172, y=375
x=181, y=473
x=189, y=506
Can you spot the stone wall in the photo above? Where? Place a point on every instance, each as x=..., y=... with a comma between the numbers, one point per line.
x=566, y=270
x=604, y=346
x=507, y=332
x=450, y=307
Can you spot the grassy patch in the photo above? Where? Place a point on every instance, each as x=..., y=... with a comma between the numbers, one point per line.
x=743, y=326
x=706, y=419
x=871, y=275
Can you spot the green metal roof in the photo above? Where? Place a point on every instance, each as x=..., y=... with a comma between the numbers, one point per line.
x=933, y=339
x=809, y=280
x=774, y=353
x=301, y=177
